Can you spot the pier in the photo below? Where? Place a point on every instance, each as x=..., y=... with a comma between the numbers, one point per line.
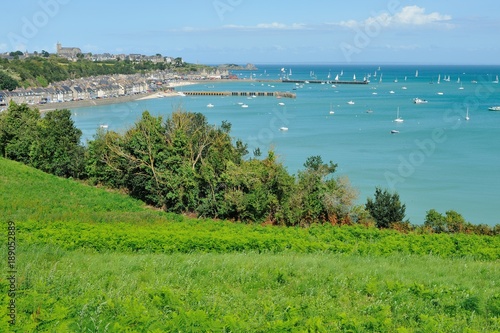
x=277, y=94
x=324, y=81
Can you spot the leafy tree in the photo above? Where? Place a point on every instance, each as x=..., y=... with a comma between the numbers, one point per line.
x=319, y=197
x=435, y=221
x=386, y=208
x=18, y=132
x=7, y=82
x=58, y=150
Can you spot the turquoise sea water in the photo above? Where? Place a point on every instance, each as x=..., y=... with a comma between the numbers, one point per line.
x=437, y=160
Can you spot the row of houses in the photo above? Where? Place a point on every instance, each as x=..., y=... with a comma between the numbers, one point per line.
x=81, y=89
x=104, y=86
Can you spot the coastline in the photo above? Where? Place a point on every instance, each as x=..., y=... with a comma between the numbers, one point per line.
x=113, y=100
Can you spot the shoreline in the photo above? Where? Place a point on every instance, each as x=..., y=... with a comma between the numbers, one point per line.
x=168, y=92
x=112, y=100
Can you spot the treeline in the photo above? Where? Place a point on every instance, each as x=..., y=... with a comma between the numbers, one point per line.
x=40, y=71
x=183, y=164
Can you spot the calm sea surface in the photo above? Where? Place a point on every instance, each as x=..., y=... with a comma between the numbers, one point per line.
x=437, y=160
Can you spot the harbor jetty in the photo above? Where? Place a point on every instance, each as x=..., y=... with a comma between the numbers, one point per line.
x=324, y=81
x=277, y=94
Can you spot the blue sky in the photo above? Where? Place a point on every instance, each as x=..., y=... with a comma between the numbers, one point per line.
x=257, y=31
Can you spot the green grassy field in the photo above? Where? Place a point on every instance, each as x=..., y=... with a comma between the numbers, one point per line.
x=89, y=260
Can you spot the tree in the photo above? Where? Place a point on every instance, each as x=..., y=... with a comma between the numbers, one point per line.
x=435, y=221
x=386, y=208
x=18, y=132
x=7, y=82
x=58, y=150
x=317, y=196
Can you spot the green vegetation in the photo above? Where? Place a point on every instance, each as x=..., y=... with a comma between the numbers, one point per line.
x=89, y=259
x=40, y=71
x=51, y=143
x=184, y=165
x=386, y=208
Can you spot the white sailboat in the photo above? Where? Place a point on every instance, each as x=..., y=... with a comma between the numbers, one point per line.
x=416, y=73
x=439, y=79
x=398, y=119
x=337, y=77
x=331, y=109
x=467, y=114
x=290, y=73
x=354, y=77
x=496, y=80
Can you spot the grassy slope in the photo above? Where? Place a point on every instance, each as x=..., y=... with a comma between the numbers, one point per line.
x=77, y=272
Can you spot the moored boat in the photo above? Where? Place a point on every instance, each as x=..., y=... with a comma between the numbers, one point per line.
x=494, y=108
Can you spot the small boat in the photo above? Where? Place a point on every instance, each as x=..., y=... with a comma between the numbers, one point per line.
x=281, y=103
x=244, y=105
x=496, y=80
x=467, y=114
x=180, y=93
x=331, y=109
x=391, y=92
x=440, y=93
x=419, y=101
x=398, y=119
x=283, y=129
x=369, y=111
x=404, y=88
x=350, y=102
x=494, y=108
x=104, y=126
x=210, y=105
x=394, y=131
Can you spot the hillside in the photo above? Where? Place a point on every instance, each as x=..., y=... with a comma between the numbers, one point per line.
x=88, y=259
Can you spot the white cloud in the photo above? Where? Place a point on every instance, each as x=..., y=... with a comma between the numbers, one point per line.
x=407, y=16
x=415, y=15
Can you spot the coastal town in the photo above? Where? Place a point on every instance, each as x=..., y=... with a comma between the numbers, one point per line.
x=108, y=86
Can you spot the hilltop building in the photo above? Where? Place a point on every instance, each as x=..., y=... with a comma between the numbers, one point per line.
x=68, y=52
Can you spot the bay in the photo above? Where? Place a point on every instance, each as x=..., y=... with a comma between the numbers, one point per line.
x=437, y=160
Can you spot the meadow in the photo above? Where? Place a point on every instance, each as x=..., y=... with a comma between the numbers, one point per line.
x=93, y=260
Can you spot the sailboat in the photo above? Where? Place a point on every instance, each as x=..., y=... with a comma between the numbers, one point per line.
x=416, y=73
x=337, y=77
x=439, y=79
x=380, y=81
x=354, y=77
x=290, y=73
x=467, y=114
x=496, y=80
x=398, y=119
x=331, y=109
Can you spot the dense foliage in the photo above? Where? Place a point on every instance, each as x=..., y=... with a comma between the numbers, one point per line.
x=40, y=71
x=183, y=164
x=50, y=143
x=7, y=82
x=386, y=208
